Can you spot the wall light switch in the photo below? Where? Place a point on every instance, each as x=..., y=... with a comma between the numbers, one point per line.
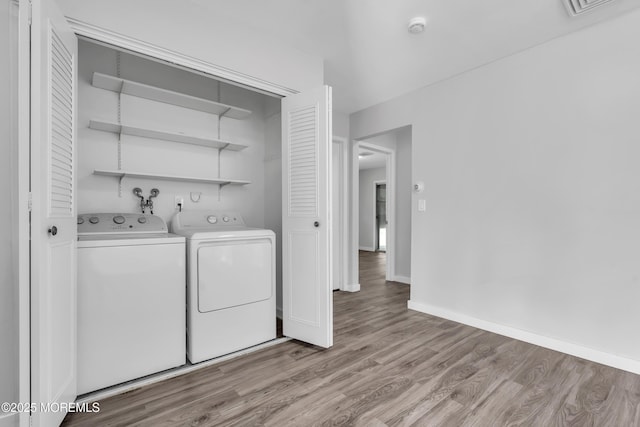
x=422, y=205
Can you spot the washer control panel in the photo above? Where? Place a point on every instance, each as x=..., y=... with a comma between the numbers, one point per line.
x=102, y=223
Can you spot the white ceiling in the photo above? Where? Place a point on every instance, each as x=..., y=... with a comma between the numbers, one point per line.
x=369, y=55
x=371, y=160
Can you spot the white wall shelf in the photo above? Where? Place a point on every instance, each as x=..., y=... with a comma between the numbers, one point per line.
x=163, y=135
x=117, y=84
x=121, y=174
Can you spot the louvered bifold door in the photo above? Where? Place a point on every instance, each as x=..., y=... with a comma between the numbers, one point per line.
x=303, y=162
x=61, y=149
x=53, y=222
x=307, y=291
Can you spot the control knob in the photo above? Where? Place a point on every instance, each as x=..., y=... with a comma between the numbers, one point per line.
x=211, y=219
x=80, y=220
x=94, y=220
x=225, y=218
x=142, y=219
x=119, y=219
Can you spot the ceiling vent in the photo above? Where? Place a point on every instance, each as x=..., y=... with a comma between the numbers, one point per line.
x=578, y=7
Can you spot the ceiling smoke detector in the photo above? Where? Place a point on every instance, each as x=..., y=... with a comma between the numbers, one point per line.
x=417, y=24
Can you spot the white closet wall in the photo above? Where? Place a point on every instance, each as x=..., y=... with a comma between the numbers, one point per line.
x=99, y=150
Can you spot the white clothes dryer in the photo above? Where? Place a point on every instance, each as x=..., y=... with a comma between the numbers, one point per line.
x=231, y=302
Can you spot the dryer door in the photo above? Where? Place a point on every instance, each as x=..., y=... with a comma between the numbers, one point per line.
x=234, y=273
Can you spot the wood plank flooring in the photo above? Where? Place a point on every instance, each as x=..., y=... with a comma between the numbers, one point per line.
x=389, y=367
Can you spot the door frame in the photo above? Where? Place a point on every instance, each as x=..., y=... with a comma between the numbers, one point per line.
x=375, y=213
x=96, y=34
x=390, y=154
x=342, y=246
x=24, y=208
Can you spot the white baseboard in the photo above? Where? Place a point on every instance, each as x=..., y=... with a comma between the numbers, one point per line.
x=10, y=419
x=352, y=288
x=402, y=279
x=597, y=356
x=367, y=248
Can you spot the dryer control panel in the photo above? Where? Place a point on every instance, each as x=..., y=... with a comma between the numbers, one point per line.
x=111, y=223
x=205, y=219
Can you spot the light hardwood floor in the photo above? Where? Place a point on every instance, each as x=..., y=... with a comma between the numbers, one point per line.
x=389, y=366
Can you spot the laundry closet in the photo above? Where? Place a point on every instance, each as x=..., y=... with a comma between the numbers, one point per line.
x=112, y=132
x=179, y=153
x=155, y=140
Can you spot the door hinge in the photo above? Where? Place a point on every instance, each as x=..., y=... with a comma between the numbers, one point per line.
x=30, y=201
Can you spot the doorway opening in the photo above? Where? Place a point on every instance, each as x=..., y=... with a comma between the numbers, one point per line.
x=383, y=182
x=375, y=163
x=381, y=217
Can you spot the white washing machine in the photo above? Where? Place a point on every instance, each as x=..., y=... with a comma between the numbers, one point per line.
x=131, y=299
x=231, y=302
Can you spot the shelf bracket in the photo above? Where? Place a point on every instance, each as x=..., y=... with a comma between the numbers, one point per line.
x=120, y=185
x=120, y=151
x=220, y=186
x=118, y=61
x=224, y=112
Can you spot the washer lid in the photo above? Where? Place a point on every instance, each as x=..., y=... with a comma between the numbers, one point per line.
x=108, y=240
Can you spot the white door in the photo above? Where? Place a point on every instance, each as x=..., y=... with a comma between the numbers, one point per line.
x=53, y=222
x=306, y=228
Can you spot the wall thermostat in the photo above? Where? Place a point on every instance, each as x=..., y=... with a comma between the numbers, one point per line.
x=418, y=187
